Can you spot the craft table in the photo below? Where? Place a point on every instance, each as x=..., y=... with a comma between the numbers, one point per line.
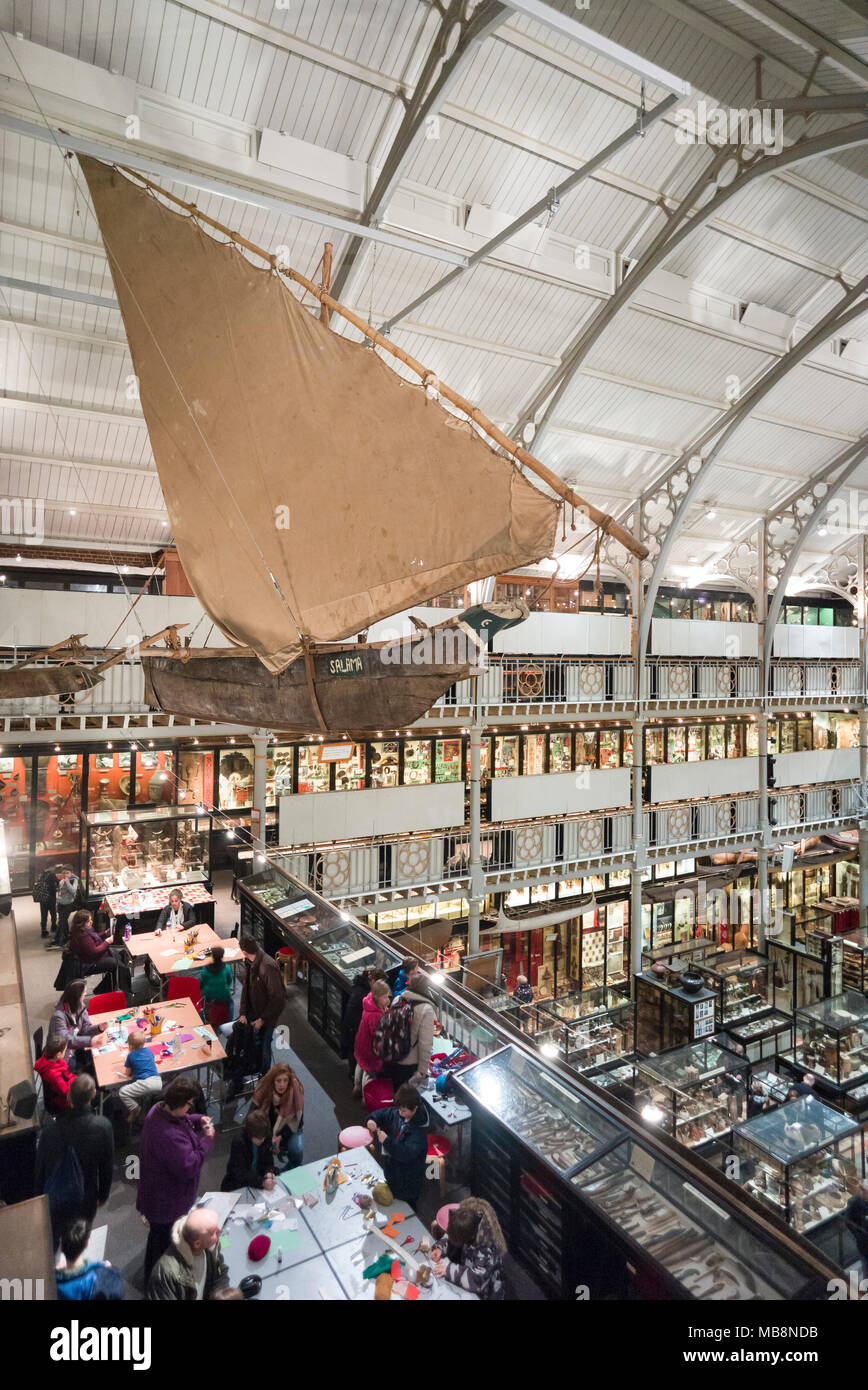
x=136, y=903
x=164, y=955
x=325, y=1256
x=109, y=1066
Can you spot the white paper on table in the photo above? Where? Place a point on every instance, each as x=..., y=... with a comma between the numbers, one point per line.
x=173, y=952
x=109, y=1047
x=223, y=1203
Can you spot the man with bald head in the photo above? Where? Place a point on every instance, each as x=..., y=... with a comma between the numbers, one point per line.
x=192, y=1268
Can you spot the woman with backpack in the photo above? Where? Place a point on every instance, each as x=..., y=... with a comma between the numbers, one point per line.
x=215, y=982
x=404, y=1035
x=374, y=1005
x=75, y=1159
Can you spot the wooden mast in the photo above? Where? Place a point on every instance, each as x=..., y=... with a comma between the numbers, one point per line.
x=607, y=524
x=326, y=281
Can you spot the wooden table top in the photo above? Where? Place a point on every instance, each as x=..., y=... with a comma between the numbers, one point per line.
x=27, y=1248
x=109, y=1066
x=166, y=952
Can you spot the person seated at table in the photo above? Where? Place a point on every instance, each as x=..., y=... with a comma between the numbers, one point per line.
x=92, y=949
x=141, y=1068
x=192, y=1267
x=72, y=1023
x=402, y=1130
x=215, y=982
x=475, y=1247
x=251, y=1161
x=177, y=914
x=56, y=1076
x=82, y=1279
x=280, y=1095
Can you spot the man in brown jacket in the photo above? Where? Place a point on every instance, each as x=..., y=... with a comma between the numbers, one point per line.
x=263, y=995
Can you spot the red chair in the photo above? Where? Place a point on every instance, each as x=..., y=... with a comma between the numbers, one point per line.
x=106, y=1003
x=185, y=988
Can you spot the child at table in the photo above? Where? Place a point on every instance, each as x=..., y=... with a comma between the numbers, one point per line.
x=215, y=982
x=141, y=1067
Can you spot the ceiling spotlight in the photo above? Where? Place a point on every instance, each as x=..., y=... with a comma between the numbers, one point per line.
x=72, y=511
x=436, y=977
x=711, y=513
x=549, y=1049
x=652, y=1113
x=230, y=834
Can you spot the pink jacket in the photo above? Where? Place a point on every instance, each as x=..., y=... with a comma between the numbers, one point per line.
x=363, y=1052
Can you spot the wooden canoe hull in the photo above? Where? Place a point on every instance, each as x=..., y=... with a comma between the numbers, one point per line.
x=32, y=681
x=357, y=689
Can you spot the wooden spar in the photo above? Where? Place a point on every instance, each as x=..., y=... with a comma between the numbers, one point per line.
x=326, y=281
x=139, y=646
x=607, y=524
x=72, y=642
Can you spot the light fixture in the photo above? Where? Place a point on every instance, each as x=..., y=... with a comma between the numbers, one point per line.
x=436, y=977
x=18, y=559
x=109, y=745
x=230, y=834
x=57, y=747
x=164, y=776
x=260, y=858
x=201, y=809
x=652, y=1113
x=72, y=511
x=549, y=1049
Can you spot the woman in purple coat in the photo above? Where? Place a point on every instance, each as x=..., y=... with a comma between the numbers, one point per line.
x=174, y=1146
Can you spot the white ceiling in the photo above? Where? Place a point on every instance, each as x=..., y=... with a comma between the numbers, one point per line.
x=531, y=105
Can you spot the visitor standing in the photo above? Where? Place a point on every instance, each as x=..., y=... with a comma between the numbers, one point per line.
x=174, y=1145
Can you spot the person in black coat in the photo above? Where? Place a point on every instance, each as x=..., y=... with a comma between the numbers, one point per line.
x=45, y=893
x=92, y=1139
x=856, y=1221
x=402, y=1130
x=176, y=914
x=251, y=1160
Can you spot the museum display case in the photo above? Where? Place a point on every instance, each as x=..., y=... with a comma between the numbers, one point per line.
x=831, y=1040
x=854, y=960
x=743, y=983
x=804, y=1160
x=688, y=952
x=670, y=1014
x=758, y=1038
x=588, y=1028
x=581, y=1196
x=698, y=1092
x=129, y=850
x=278, y=911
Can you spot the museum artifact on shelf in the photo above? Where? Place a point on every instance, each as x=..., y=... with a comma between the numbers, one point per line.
x=804, y=1160
x=668, y=1015
x=587, y=1028
x=134, y=851
x=742, y=980
x=831, y=1040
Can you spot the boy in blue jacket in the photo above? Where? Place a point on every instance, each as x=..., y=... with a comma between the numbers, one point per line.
x=85, y=1279
x=402, y=1130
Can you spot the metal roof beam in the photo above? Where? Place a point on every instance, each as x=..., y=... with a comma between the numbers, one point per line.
x=447, y=61
x=598, y=43
x=786, y=25
x=549, y=202
x=141, y=470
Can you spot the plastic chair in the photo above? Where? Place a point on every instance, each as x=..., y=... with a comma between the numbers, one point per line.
x=106, y=1003
x=185, y=988
x=438, y=1148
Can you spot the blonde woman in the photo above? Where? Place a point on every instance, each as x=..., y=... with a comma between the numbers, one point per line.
x=280, y=1095
x=374, y=1005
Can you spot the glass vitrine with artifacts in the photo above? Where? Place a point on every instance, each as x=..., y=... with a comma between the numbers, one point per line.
x=698, y=1092
x=758, y=1038
x=127, y=850
x=854, y=960
x=743, y=982
x=803, y=1160
x=674, y=1011
x=588, y=1028
x=831, y=1040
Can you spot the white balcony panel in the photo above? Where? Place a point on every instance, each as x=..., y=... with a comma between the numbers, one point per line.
x=35, y=618
x=322, y=816
x=715, y=777
x=555, y=634
x=693, y=637
x=559, y=793
x=822, y=765
x=796, y=641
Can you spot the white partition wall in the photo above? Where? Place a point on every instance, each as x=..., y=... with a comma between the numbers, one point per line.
x=822, y=765
x=714, y=777
x=693, y=637
x=559, y=793
x=320, y=816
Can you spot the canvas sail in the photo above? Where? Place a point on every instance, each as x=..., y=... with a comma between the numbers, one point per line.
x=311, y=492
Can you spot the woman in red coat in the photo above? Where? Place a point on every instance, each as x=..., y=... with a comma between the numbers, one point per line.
x=374, y=1005
x=56, y=1076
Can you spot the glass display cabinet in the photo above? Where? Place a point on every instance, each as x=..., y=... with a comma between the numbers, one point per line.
x=854, y=960
x=800, y=963
x=743, y=982
x=700, y=1092
x=688, y=952
x=587, y=1028
x=279, y=911
x=758, y=1038
x=803, y=1160
x=585, y=1201
x=133, y=850
x=668, y=1015
x=831, y=1040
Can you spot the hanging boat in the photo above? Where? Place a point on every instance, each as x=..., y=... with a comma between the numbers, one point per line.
x=312, y=491
x=30, y=682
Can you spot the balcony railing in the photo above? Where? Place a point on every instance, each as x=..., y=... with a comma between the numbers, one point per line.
x=437, y=863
